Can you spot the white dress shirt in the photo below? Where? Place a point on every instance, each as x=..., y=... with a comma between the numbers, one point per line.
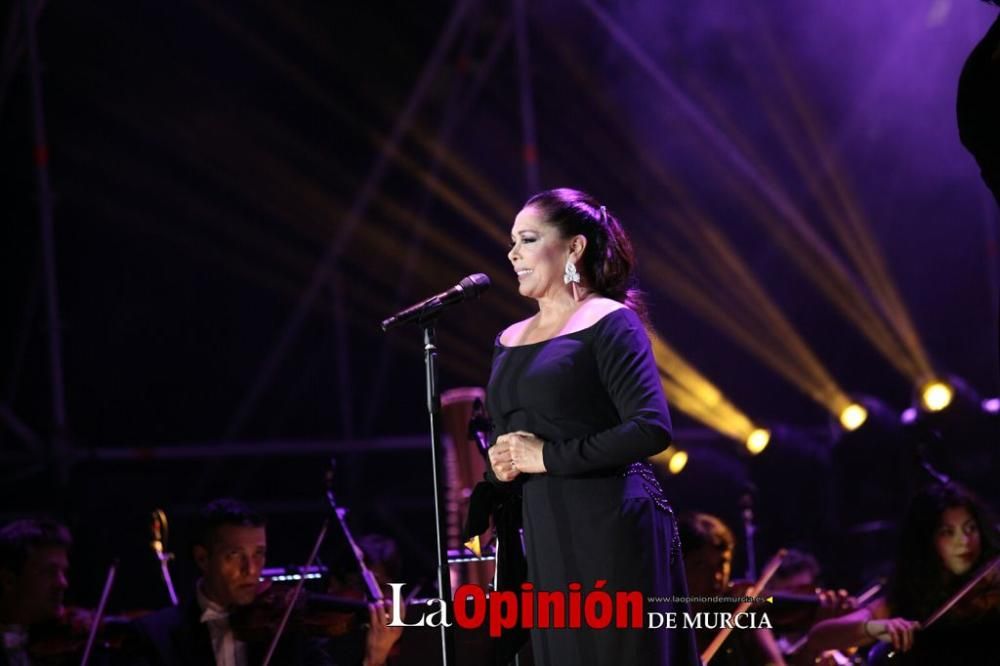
x=228, y=651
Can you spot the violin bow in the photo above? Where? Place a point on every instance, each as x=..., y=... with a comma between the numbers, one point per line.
x=99, y=614
x=862, y=599
x=759, y=584
x=158, y=526
x=374, y=590
x=955, y=598
x=296, y=591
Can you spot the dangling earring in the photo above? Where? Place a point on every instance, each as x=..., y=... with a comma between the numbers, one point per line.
x=572, y=278
x=570, y=274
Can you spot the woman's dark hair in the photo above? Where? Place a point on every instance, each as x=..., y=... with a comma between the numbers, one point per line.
x=608, y=262
x=921, y=582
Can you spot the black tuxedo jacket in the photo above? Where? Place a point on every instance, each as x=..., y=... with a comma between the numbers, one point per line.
x=176, y=636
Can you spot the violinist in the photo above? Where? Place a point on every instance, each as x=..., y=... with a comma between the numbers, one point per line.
x=34, y=560
x=799, y=576
x=945, y=538
x=708, y=546
x=230, y=547
x=382, y=557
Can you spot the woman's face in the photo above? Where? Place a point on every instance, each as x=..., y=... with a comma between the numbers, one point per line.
x=957, y=540
x=539, y=254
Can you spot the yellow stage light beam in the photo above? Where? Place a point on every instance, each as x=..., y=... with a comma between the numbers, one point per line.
x=731, y=424
x=677, y=462
x=851, y=228
x=464, y=172
x=853, y=416
x=692, y=393
x=317, y=207
x=490, y=227
x=822, y=387
x=464, y=357
x=758, y=440
x=817, y=262
x=696, y=400
x=705, y=239
x=776, y=199
x=312, y=88
x=782, y=348
x=310, y=212
x=674, y=459
x=936, y=396
x=279, y=178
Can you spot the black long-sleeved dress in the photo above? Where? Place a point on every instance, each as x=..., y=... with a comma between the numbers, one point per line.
x=594, y=396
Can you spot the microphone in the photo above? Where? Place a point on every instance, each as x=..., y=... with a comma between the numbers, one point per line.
x=470, y=287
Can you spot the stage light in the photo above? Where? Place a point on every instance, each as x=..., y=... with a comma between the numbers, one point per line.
x=909, y=415
x=677, y=462
x=991, y=405
x=758, y=440
x=936, y=395
x=853, y=416
x=672, y=458
x=691, y=392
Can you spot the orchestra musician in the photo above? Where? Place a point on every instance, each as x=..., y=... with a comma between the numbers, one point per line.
x=799, y=577
x=230, y=548
x=708, y=545
x=945, y=538
x=34, y=561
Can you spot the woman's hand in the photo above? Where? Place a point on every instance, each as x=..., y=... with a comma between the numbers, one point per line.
x=897, y=630
x=516, y=452
x=526, y=451
x=501, y=461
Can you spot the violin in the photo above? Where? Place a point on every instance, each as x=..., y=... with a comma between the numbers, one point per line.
x=312, y=614
x=284, y=605
x=753, y=590
x=64, y=640
x=73, y=637
x=798, y=609
x=981, y=599
x=977, y=600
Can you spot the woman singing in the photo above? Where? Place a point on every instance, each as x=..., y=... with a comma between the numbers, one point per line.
x=577, y=405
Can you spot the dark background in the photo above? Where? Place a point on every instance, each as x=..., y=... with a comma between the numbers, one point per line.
x=205, y=158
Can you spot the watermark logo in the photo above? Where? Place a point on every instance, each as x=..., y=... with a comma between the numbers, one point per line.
x=596, y=608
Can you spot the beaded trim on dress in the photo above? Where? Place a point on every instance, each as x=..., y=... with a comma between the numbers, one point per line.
x=651, y=484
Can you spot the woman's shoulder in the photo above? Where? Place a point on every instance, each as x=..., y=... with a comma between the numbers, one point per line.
x=510, y=335
x=596, y=313
x=600, y=310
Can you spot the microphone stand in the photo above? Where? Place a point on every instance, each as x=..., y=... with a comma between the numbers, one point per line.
x=440, y=506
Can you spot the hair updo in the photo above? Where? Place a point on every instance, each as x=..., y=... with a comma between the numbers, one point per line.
x=608, y=262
